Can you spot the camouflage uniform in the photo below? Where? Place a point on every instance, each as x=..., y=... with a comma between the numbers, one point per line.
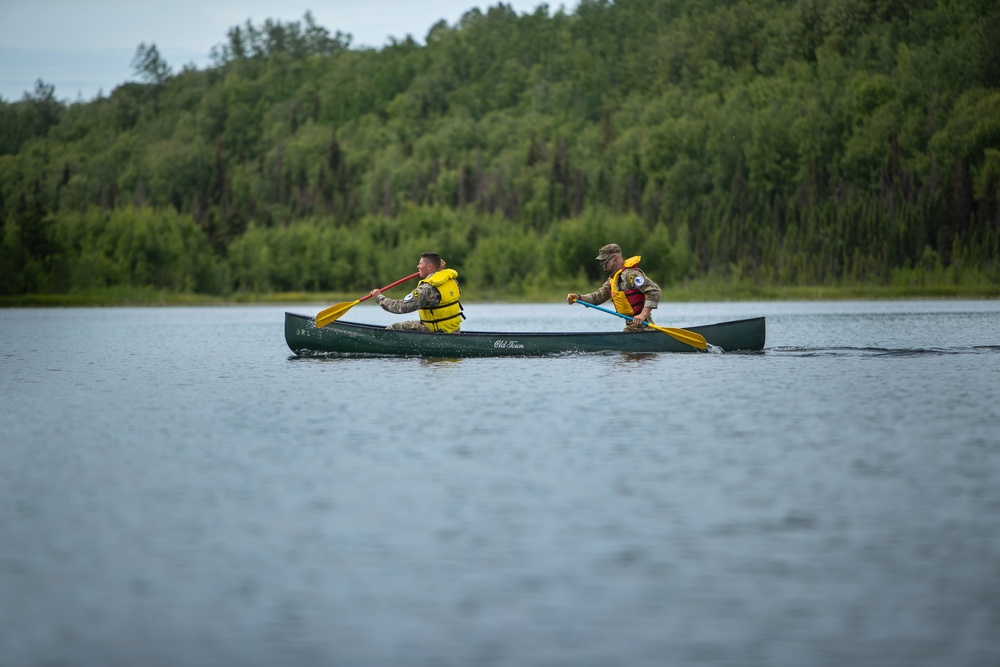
x=424, y=296
x=627, y=280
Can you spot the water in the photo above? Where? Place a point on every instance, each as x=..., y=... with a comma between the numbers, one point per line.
x=177, y=489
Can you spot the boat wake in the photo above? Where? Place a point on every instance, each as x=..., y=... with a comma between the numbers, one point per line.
x=880, y=351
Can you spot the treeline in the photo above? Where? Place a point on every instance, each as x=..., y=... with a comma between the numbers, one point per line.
x=774, y=142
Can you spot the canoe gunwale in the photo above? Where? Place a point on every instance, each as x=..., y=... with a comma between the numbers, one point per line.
x=355, y=339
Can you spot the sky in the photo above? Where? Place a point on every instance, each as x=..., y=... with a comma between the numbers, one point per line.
x=85, y=47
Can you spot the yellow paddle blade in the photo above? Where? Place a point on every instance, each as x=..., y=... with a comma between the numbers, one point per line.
x=683, y=335
x=334, y=312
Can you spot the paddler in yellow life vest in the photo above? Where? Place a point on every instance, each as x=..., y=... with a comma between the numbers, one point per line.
x=631, y=290
x=436, y=298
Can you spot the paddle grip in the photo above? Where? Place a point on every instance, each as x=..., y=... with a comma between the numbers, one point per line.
x=401, y=280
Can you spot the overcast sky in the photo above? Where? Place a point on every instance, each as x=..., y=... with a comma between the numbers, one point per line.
x=84, y=47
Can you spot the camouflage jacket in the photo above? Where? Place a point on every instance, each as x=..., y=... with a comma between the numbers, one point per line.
x=424, y=296
x=626, y=281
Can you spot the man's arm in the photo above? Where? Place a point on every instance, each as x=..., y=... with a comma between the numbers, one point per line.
x=650, y=290
x=640, y=281
x=426, y=297
x=600, y=296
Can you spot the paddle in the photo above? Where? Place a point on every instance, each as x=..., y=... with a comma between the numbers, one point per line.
x=336, y=311
x=683, y=335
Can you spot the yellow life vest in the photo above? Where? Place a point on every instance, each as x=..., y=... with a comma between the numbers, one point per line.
x=627, y=302
x=447, y=316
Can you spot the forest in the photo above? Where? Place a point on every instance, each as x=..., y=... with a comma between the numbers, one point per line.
x=772, y=143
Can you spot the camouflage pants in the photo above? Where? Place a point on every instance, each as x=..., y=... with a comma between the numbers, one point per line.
x=409, y=325
x=637, y=328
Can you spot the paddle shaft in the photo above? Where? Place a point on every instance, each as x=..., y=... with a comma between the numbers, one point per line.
x=401, y=280
x=683, y=335
x=335, y=311
x=613, y=312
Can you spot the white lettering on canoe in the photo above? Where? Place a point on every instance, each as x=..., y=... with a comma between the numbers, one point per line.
x=508, y=345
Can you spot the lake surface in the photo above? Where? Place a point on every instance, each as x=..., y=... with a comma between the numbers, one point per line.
x=177, y=489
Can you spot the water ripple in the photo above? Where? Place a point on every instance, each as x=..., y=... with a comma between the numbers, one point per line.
x=880, y=351
x=177, y=490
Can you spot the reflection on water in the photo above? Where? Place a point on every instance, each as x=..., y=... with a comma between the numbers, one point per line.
x=175, y=488
x=638, y=356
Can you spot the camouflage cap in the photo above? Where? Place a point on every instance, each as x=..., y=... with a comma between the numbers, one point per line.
x=609, y=250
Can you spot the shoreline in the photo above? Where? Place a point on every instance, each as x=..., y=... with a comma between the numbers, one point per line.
x=691, y=293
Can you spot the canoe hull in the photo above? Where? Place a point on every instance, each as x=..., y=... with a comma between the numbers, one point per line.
x=353, y=339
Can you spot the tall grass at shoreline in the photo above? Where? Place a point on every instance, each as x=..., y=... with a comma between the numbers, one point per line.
x=690, y=292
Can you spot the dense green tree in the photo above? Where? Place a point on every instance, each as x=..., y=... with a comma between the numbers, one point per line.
x=774, y=142
x=149, y=65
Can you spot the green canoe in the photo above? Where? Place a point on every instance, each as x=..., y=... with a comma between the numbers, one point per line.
x=353, y=339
